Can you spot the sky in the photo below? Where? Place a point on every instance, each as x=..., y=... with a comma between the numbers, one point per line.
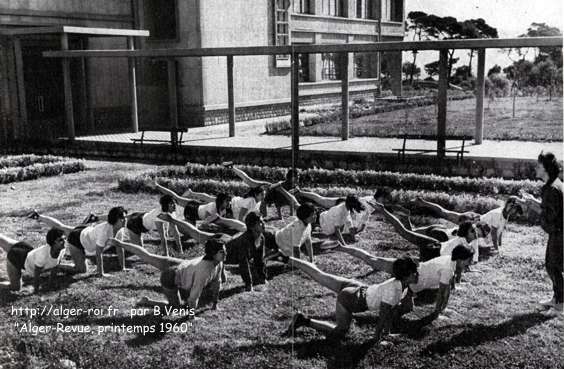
x=510, y=17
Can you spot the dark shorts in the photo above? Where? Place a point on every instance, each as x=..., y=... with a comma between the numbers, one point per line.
x=168, y=278
x=270, y=241
x=74, y=237
x=18, y=253
x=353, y=297
x=554, y=248
x=135, y=223
x=438, y=233
x=191, y=212
x=428, y=252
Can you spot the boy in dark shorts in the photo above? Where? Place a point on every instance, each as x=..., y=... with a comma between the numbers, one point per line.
x=22, y=258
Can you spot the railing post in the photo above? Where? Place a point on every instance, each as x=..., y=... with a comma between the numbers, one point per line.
x=442, y=102
x=295, y=107
x=133, y=88
x=230, y=96
x=173, y=101
x=480, y=84
x=344, y=70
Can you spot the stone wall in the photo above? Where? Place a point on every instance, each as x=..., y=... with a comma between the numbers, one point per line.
x=162, y=154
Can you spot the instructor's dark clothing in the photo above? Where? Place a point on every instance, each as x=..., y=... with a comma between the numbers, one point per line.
x=551, y=223
x=249, y=254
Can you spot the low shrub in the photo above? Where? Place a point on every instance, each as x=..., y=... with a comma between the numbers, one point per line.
x=359, y=178
x=34, y=171
x=27, y=159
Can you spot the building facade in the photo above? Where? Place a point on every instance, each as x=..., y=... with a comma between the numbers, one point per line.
x=101, y=94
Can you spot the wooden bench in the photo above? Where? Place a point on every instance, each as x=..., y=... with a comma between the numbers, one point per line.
x=174, y=133
x=459, y=152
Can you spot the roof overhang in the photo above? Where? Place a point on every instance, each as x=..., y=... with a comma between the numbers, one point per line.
x=72, y=30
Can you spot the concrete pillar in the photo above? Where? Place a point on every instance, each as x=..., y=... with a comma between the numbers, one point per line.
x=344, y=61
x=315, y=63
x=69, y=110
x=23, y=128
x=172, y=100
x=295, y=106
x=395, y=72
x=350, y=40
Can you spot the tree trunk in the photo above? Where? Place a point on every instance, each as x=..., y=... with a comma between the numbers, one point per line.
x=514, y=97
x=413, y=69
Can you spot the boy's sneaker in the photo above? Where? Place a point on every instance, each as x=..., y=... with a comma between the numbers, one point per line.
x=227, y=164
x=33, y=214
x=90, y=218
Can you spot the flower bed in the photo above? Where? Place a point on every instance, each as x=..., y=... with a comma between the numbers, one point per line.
x=37, y=166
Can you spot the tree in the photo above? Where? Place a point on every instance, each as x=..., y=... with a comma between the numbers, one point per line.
x=544, y=30
x=432, y=69
x=476, y=28
x=496, y=69
x=410, y=69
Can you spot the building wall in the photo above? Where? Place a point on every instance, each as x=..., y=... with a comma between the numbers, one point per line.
x=257, y=80
x=108, y=79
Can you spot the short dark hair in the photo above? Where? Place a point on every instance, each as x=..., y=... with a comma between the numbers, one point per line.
x=353, y=203
x=220, y=198
x=252, y=219
x=53, y=235
x=304, y=211
x=511, y=203
x=165, y=202
x=213, y=246
x=115, y=214
x=403, y=267
x=550, y=164
x=382, y=192
x=463, y=228
x=484, y=227
x=461, y=253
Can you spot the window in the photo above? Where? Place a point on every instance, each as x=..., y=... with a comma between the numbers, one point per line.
x=392, y=10
x=303, y=67
x=365, y=9
x=160, y=19
x=332, y=7
x=302, y=6
x=330, y=66
x=281, y=30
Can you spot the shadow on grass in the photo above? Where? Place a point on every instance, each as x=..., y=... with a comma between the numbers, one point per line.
x=476, y=334
x=134, y=287
x=43, y=210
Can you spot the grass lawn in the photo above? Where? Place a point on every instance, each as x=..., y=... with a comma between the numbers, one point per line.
x=534, y=121
x=492, y=321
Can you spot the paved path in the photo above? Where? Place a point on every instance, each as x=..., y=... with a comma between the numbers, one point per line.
x=249, y=135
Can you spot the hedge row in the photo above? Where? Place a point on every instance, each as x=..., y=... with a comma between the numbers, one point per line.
x=359, y=178
x=12, y=161
x=329, y=116
x=458, y=202
x=34, y=171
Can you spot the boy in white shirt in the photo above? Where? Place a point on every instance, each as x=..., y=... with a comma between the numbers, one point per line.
x=355, y=297
x=22, y=257
x=437, y=273
x=89, y=241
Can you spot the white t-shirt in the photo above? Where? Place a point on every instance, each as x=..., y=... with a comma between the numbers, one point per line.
x=41, y=258
x=362, y=217
x=448, y=246
x=434, y=272
x=195, y=274
x=151, y=220
x=96, y=235
x=206, y=210
x=337, y=216
x=292, y=235
x=494, y=218
x=238, y=203
x=389, y=292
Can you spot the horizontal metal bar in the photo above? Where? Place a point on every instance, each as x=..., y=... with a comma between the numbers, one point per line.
x=312, y=49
